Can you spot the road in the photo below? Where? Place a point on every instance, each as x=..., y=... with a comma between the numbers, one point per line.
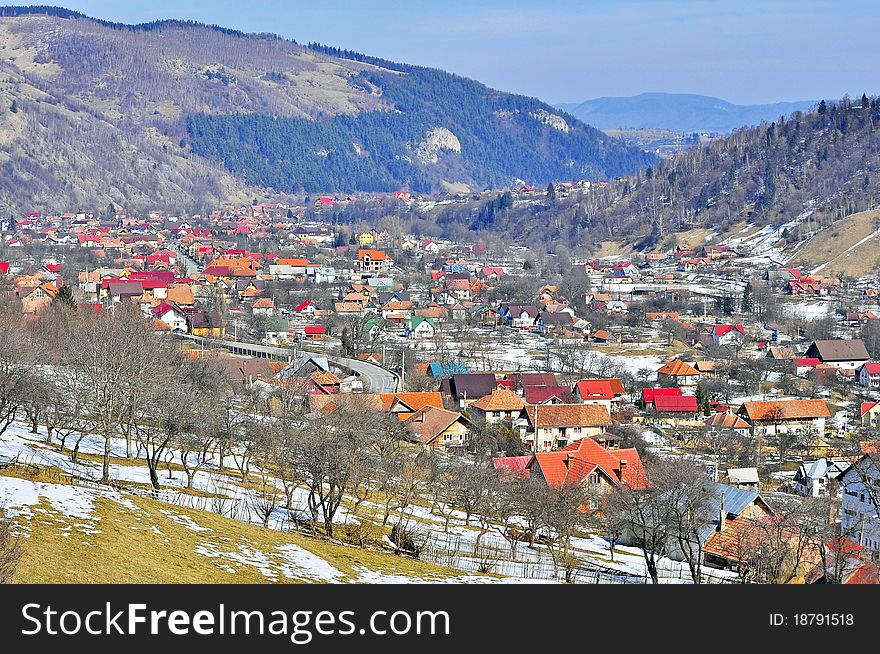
x=380, y=380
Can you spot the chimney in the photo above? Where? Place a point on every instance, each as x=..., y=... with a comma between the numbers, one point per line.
x=602, y=443
x=623, y=471
x=722, y=518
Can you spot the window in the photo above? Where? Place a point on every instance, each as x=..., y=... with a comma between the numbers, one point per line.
x=594, y=503
x=447, y=437
x=547, y=444
x=594, y=478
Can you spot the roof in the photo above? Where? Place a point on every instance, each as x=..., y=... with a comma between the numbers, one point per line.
x=676, y=404
x=723, y=330
x=118, y=287
x=650, y=394
x=429, y=422
x=805, y=362
x=537, y=379
x=726, y=421
x=678, y=367
x=872, y=368
x=583, y=457
x=569, y=415
x=472, y=385
x=515, y=465
x=785, y=410
x=867, y=406
x=375, y=255
x=539, y=394
x=743, y=476
x=414, y=401
x=595, y=389
x=447, y=369
x=839, y=350
x=500, y=399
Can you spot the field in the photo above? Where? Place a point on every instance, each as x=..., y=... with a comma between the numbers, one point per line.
x=850, y=247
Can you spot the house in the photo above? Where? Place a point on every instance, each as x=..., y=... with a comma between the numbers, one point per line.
x=869, y=374
x=743, y=478
x=314, y=332
x=860, y=501
x=548, y=395
x=651, y=394
x=606, y=392
x=731, y=335
x=678, y=373
x=171, y=316
x=676, y=408
x=726, y=424
x=840, y=353
x=265, y=306
x=465, y=389
x=522, y=316
x=813, y=478
x=374, y=261
x=500, y=406
x=803, y=366
x=844, y=563
x=587, y=462
x=739, y=529
x=554, y=426
x=446, y=369
x=785, y=417
x=418, y=327
x=436, y=427
x=870, y=414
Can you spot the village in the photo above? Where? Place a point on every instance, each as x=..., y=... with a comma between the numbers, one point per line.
x=712, y=367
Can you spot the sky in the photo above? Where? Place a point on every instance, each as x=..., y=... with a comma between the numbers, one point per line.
x=744, y=51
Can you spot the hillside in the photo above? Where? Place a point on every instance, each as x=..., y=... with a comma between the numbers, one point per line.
x=851, y=246
x=798, y=175
x=186, y=115
x=678, y=112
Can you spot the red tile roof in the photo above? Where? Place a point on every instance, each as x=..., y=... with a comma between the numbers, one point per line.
x=673, y=404
x=574, y=463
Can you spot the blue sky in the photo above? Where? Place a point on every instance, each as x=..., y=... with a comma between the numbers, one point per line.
x=745, y=51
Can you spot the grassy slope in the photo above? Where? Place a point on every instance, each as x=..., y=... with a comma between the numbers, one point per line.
x=831, y=245
x=127, y=549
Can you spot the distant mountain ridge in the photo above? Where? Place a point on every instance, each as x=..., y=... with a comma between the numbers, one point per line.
x=679, y=112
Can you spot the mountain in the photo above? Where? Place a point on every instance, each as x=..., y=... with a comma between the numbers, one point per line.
x=794, y=177
x=679, y=112
x=186, y=115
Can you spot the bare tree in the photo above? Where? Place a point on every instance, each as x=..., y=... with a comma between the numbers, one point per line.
x=10, y=549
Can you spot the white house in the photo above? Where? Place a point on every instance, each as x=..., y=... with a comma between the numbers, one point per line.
x=728, y=334
x=418, y=327
x=860, y=501
x=813, y=478
x=869, y=374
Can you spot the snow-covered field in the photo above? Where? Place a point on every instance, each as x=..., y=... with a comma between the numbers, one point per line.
x=455, y=547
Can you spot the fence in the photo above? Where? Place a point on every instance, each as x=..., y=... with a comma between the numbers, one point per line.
x=518, y=559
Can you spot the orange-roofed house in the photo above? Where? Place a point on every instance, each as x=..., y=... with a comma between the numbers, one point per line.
x=678, y=373
x=374, y=261
x=785, y=417
x=554, y=426
x=502, y=405
x=587, y=462
x=437, y=427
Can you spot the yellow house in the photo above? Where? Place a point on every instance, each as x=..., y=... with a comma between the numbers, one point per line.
x=366, y=238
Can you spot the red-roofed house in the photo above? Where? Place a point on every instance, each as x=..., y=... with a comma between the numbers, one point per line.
x=587, y=462
x=595, y=391
x=4, y=267
x=682, y=406
x=804, y=365
x=869, y=374
x=870, y=413
x=649, y=394
x=728, y=334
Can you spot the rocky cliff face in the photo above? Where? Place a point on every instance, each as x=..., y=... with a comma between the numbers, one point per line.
x=436, y=141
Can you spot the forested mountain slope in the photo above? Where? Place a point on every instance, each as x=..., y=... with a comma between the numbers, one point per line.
x=186, y=115
x=809, y=170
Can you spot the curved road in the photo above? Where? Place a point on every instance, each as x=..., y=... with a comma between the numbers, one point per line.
x=380, y=380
